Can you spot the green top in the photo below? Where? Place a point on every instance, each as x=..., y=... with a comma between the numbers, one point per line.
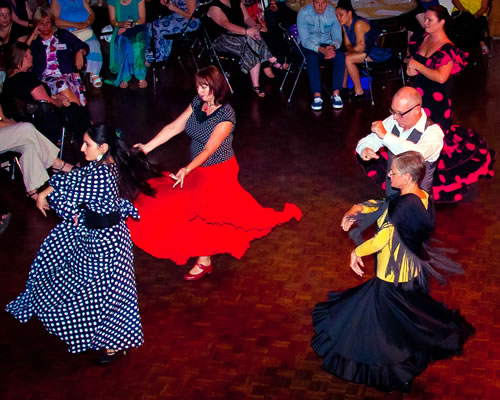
x=124, y=13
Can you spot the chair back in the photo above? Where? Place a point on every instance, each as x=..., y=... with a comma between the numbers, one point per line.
x=397, y=41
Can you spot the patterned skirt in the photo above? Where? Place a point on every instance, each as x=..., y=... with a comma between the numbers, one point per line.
x=250, y=51
x=59, y=82
x=81, y=286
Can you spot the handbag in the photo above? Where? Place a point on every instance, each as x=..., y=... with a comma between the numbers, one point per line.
x=83, y=34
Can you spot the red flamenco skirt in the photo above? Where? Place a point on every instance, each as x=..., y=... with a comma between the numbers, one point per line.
x=211, y=215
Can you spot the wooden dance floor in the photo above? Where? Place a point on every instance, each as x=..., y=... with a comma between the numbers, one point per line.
x=244, y=331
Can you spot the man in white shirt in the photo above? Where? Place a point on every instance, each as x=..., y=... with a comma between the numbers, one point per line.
x=406, y=129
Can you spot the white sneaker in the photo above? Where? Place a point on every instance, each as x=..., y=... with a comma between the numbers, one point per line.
x=317, y=104
x=337, y=101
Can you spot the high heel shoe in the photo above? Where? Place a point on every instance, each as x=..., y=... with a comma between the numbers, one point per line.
x=205, y=269
x=109, y=356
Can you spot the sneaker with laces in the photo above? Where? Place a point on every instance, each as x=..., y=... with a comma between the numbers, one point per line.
x=317, y=104
x=337, y=101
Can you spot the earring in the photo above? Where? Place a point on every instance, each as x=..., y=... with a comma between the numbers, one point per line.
x=99, y=157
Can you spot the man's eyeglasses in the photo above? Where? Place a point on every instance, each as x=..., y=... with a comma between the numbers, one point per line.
x=402, y=114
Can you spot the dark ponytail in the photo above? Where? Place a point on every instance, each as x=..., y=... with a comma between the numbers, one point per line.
x=133, y=165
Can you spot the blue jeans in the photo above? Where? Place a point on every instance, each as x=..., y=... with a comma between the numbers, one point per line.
x=313, y=61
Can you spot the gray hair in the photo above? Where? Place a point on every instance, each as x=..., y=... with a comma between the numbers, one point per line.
x=410, y=162
x=42, y=12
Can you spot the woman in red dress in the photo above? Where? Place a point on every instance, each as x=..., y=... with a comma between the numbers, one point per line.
x=202, y=210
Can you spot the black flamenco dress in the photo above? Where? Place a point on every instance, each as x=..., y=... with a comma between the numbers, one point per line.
x=212, y=214
x=387, y=330
x=465, y=157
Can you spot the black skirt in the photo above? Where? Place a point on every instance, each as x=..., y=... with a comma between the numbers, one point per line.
x=382, y=335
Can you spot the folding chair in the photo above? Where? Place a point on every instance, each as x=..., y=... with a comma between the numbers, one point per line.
x=216, y=56
x=298, y=58
x=191, y=38
x=397, y=41
x=8, y=161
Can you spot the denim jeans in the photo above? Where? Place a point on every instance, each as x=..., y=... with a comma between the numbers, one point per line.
x=313, y=61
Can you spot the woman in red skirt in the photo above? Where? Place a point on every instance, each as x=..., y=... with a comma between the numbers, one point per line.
x=202, y=210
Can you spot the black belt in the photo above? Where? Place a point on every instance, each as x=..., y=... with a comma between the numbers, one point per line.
x=93, y=220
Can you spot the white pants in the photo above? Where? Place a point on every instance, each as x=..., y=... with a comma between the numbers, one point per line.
x=38, y=152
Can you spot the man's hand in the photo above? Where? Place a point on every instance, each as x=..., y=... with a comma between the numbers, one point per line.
x=378, y=129
x=327, y=51
x=368, y=154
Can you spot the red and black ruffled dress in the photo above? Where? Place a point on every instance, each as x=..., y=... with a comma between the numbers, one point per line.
x=465, y=157
x=212, y=214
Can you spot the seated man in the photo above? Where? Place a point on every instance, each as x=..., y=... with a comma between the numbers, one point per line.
x=407, y=128
x=320, y=36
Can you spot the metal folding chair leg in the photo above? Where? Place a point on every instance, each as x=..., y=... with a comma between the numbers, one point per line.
x=367, y=67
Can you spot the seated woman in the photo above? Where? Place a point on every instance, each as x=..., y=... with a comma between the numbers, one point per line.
x=10, y=31
x=57, y=56
x=469, y=19
x=21, y=12
x=37, y=153
x=175, y=22
x=77, y=16
x=273, y=38
x=237, y=33
x=359, y=41
x=24, y=98
x=128, y=42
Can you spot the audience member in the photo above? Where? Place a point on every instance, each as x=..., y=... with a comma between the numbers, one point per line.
x=178, y=20
x=360, y=38
x=58, y=55
x=127, y=54
x=470, y=23
x=77, y=17
x=234, y=31
x=24, y=98
x=321, y=37
x=10, y=31
x=37, y=153
x=274, y=39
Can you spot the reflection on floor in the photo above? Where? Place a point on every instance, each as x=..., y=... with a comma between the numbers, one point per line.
x=244, y=331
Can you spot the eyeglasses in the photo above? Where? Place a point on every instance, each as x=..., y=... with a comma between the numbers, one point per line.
x=391, y=173
x=402, y=114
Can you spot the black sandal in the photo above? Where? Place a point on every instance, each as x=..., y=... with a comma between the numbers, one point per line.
x=258, y=92
x=57, y=170
x=280, y=66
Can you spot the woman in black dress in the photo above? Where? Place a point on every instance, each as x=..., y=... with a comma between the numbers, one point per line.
x=386, y=331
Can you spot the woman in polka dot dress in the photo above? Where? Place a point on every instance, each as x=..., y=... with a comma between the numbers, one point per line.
x=466, y=156
x=81, y=285
x=202, y=210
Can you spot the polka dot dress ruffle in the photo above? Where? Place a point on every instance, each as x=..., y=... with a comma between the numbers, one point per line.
x=81, y=285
